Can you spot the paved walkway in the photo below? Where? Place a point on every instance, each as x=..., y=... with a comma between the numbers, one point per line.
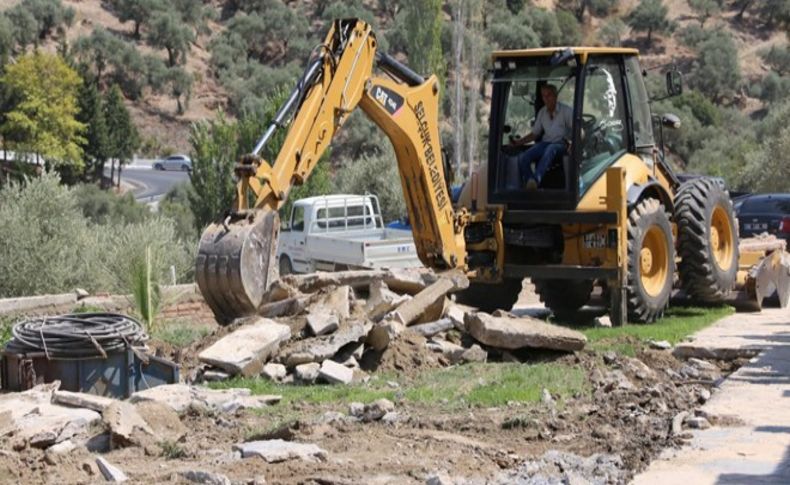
x=758, y=450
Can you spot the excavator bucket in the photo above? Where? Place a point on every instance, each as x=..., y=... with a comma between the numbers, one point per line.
x=236, y=263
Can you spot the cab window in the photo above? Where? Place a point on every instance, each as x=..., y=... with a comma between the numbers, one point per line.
x=604, y=137
x=297, y=219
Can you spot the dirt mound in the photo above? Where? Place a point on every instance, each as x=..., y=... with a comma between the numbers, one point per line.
x=406, y=355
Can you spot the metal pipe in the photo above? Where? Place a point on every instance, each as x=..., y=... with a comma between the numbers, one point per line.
x=307, y=79
x=398, y=69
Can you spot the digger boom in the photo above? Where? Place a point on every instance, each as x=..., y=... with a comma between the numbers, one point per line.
x=236, y=260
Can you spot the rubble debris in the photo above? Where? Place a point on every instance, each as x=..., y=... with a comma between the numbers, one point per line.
x=62, y=448
x=383, y=333
x=111, y=472
x=336, y=302
x=515, y=333
x=289, y=306
x=33, y=419
x=372, y=411
x=564, y=467
x=697, y=422
x=125, y=424
x=475, y=353
x=677, y=423
x=180, y=397
x=275, y=451
x=430, y=329
x=322, y=323
x=162, y=420
x=659, y=345
x=205, y=478
x=335, y=373
x=417, y=307
x=685, y=351
x=440, y=478
x=310, y=283
x=213, y=375
x=382, y=300
x=245, y=350
x=452, y=352
x=274, y=372
x=318, y=349
x=307, y=372
x=82, y=400
x=409, y=280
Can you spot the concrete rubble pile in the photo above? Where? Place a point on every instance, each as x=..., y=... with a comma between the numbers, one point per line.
x=321, y=326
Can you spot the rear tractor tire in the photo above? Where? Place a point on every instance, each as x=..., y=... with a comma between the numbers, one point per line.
x=651, y=261
x=491, y=297
x=563, y=297
x=707, y=240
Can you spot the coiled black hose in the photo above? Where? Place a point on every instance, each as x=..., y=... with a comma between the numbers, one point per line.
x=76, y=336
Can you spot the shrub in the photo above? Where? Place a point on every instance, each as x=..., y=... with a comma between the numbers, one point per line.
x=104, y=207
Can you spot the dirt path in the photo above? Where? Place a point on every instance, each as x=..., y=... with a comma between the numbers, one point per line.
x=755, y=448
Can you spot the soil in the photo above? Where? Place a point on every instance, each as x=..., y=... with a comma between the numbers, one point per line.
x=626, y=418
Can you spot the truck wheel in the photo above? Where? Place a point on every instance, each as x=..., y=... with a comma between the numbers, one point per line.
x=707, y=240
x=490, y=297
x=651, y=261
x=285, y=266
x=563, y=297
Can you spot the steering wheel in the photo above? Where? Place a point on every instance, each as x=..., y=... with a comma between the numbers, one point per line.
x=588, y=122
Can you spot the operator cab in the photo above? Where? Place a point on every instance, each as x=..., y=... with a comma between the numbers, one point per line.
x=605, y=91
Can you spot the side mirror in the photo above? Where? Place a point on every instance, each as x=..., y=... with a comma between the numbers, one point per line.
x=668, y=120
x=674, y=83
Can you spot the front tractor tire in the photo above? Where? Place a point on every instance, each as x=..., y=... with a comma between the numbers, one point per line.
x=491, y=297
x=707, y=240
x=651, y=261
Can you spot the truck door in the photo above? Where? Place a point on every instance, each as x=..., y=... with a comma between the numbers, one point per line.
x=292, y=240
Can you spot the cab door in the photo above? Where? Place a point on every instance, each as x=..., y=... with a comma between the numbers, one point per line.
x=292, y=240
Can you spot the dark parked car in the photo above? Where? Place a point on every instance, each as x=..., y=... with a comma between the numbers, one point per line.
x=761, y=213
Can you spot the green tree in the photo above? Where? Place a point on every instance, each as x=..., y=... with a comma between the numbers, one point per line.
x=375, y=174
x=47, y=16
x=599, y=8
x=716, y=71
x=767, y=169
x=168, y=32
x=91, y=114
x=180, y=82
x=215, y=148
x=6, y=39
x=612, y=31
x=121, y=132
x=97, y=51
x=705, y=9
x=778, y=57
x=42, y=114
x=24, y=26
x=137, y=11
x=649, y=16
x=423, y=23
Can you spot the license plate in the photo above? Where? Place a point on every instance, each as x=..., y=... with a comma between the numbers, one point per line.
x=595, y=240
x=756, y=226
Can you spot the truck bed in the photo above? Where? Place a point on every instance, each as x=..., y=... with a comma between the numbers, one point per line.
x=371, y=248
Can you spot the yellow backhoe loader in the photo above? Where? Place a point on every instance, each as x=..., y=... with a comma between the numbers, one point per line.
x=608, y=211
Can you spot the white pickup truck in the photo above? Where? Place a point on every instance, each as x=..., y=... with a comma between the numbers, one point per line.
x=338, y=232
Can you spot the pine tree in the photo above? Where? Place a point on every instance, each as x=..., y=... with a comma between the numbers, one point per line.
x=121, y=133
x=96, y=145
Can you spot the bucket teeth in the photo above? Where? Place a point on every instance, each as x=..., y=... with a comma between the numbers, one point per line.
x=236, y=264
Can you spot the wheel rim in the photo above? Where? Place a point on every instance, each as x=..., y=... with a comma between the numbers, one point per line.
x=721, y=238
x=653, y=259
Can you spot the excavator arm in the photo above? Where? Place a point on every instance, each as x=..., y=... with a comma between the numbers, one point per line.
x=236, y=258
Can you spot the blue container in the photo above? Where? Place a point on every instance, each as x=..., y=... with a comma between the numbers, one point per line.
x=122, y=373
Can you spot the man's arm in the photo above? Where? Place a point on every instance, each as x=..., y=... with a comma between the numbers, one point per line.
x=537, y=130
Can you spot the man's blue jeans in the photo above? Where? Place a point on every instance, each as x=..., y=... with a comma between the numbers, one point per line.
x=542, y=154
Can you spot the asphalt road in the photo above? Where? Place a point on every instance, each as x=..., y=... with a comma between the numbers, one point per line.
x=150, y=185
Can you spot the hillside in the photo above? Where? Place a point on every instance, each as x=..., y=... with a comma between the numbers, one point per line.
x=240, y=52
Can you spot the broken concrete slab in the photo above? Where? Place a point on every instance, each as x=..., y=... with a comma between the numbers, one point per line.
x=410, y=311
x=456, y=312
x=373, y=411
x=126, y=426
x=322, y=323
x=205, y=477
x=336, y=302
x=180, y=397
x=430, y=329
x=82, y=400
x=701, y=351
x=452, y=352
x=274, y=451
x=289, y=306
x=213, y=375
x=318, y=349
x=245, y=350
x=410, y=280
x=475, y=353
x=111, y=472
x=33, y=419
x=307, y=372
x=516, y=333
x=383, y=333
x=382, y=300
x=335, y=373
x=162, y=420
x=309, y=283
x=274, y=372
